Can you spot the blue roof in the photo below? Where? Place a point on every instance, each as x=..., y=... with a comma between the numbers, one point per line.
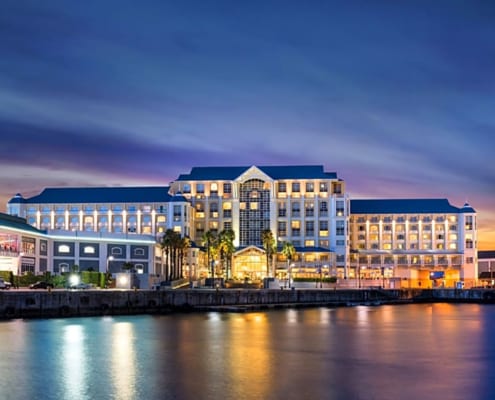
x=17, y=199
x=466, y=208
x=275, y=172
x=486, y=254
x=156, y=194
x=402, y=206
x=11, y=221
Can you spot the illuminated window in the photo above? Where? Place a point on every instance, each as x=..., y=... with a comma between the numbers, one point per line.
x=63, y=248
x=139, y=252
x=89, y=250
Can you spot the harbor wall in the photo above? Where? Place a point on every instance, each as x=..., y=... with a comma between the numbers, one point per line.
x=65, y=303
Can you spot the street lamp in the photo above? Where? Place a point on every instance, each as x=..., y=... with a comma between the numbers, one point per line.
x=109, y=258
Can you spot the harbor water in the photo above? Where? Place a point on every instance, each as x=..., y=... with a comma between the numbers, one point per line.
x=416, y=352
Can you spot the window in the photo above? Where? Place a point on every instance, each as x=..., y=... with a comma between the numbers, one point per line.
x=323, y=228
x=296, y=209
x=469, y=223
x=282, y=187
x=310, y=187
x=323, y=208
x=282, y=211
x=469, y=260
x=200, y=188
x=213, y=189
x=340, y=228
x=89, y=250
x=340, y=242
x=296, y=187
x=339, y=209
x=63, y=248
x=186, y=188
x=227, y=210
x=323, y=187
x=337, y=188
x=177, y=213
x=116, y=251
x=139, y=252
x=309, y=209
x=214, y=210
x=227, y=188
x=282, y=228
x=296, y=227
x=469, y=243
x=310, y=228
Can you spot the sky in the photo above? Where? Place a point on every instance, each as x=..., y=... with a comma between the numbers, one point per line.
x=397, y=97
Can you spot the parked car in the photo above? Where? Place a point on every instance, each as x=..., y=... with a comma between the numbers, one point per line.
x=41, y=285
x=81, y=285
x=4, y=285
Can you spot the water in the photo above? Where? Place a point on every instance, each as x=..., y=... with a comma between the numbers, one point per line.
x=418, y=352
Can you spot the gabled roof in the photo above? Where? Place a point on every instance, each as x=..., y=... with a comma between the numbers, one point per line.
x=10, y=221
x=402, y=206
x=275, y=172
x=138, y=194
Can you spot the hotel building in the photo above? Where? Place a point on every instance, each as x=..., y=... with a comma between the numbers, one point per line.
x=406, y=242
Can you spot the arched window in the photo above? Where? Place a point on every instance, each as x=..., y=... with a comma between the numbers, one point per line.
x=63, y=248
x=63, y=267
x=116, y=251
x=89, y=250
x=139, y=252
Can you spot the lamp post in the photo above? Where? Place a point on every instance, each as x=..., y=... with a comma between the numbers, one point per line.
x=109, y=258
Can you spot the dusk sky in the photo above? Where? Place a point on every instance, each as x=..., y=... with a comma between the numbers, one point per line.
x=397, y=97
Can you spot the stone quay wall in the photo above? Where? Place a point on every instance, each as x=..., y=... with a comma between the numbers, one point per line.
x=65, y=303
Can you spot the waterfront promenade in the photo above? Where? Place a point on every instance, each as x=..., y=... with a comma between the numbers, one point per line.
x=65, y=303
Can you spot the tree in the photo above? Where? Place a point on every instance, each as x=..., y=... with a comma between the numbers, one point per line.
x=289, y=251
x=128, y=266
x=183, y=244
x=166, y=245
x=209, y=239
x=270, y=246
x=226, y=249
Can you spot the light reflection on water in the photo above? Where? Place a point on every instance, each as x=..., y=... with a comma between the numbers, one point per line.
x=388, y=352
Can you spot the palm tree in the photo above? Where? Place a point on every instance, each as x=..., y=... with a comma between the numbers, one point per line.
x=289, y=251
x=226, y=249
x=209, y=239
x=166, y=245
x=183, y=244
x=270, y=246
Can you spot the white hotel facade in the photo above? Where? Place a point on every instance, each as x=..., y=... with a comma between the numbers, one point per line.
x=403, y=241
